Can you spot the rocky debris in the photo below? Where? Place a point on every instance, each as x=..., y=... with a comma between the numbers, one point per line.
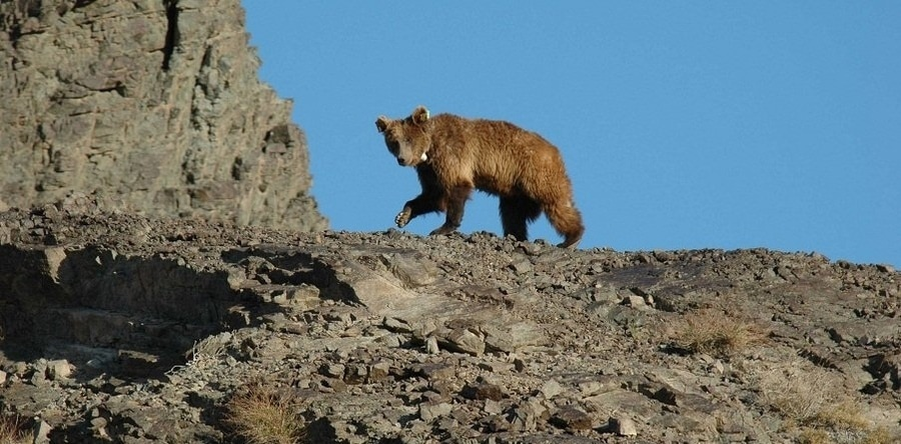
x=123, y=328
x=155, y=105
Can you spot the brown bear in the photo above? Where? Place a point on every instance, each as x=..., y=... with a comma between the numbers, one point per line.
x=452, y=155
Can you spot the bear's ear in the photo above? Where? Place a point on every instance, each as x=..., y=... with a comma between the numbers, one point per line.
x=420, y=115
x=382, y=123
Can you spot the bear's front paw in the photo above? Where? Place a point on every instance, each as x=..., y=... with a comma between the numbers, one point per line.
x=444, y=229
x=403, y=218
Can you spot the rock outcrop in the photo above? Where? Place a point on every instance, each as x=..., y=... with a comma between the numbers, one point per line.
x=155, y=104
x=122, y=328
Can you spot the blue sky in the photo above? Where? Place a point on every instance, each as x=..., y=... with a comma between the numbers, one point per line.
x=683, y=124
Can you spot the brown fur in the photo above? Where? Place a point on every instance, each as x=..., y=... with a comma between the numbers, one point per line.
x=452, y=155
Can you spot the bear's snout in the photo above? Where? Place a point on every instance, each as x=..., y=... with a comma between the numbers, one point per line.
x=400, y=161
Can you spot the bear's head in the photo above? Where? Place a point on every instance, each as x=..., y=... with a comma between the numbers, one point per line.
x=407, y=139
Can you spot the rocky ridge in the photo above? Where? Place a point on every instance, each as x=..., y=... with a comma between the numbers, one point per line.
x=154, y=104
x=119, y=327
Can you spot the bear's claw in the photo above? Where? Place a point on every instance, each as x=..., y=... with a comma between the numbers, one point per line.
x=403, y=218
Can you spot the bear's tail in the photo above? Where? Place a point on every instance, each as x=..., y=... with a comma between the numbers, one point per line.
x=567, y=220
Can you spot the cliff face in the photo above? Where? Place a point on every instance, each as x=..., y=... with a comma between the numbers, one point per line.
x=155, y=103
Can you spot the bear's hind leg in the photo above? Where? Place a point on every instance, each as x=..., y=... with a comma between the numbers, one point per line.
x=516, y=213
x=567, y=221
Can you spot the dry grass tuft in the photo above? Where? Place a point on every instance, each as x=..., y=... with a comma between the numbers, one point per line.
x=822, y=436
x=715, y=332
x=12, y=430
x=812, y=399
x=845, y=415
x=799, y=391
x=263, y=415
x=814, y=436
